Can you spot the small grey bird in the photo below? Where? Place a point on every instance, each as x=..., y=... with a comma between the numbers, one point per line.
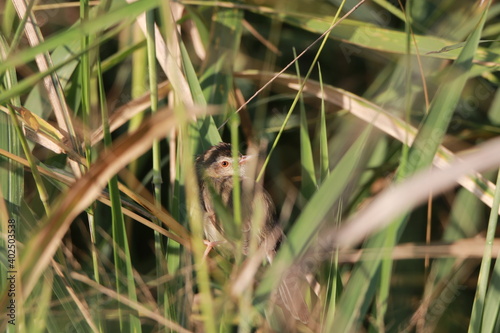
x=215, y=172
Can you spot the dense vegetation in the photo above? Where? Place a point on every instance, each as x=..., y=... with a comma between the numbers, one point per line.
x=376, y=124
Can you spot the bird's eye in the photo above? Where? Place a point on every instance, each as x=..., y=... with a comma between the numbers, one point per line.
x=224, y=164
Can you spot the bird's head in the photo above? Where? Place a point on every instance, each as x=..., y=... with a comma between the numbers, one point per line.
x=217, y=162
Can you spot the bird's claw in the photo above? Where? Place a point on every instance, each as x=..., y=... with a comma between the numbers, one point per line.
x=210, y=245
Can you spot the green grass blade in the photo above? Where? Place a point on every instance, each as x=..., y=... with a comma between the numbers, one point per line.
x=308, y=183
x=358, y=34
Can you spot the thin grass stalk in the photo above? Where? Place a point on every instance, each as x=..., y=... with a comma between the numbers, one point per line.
x=478, y=307
x=107, y=143
x=153, y=87
x=174, y=260
x=85, y=83
x=237, y=218
x=243, y=323
x=162, y=296
x=299, y=92
x=123, y=266
x=85, y=80
x=324, y=161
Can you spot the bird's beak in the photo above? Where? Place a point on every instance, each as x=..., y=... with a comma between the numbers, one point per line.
x=244, y=159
